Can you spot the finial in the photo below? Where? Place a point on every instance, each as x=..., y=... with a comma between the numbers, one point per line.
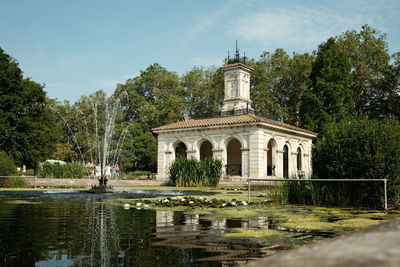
x=237, y=55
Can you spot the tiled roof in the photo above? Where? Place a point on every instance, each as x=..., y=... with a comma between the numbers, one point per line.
x=242, y=119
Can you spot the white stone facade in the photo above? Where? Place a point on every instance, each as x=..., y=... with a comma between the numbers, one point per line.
x=254, y=154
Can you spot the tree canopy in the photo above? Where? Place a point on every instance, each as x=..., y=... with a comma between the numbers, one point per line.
x=28, y=129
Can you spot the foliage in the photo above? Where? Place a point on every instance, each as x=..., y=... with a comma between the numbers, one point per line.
x=28, y=129
x=278, y=82
x=7, y=166
x=64, y=152
x=370, y=63
x=191, y=172
x=330, y=97
x=12, y=182
x=338, y=194
x=68, y=170
x=186, y=201
x=153, y=98
x=203, y=92
x=364, y=149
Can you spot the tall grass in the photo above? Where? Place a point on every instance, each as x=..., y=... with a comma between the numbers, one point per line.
x=343, y=194
x=191, y=172
x=12, y=182
x=68, y=170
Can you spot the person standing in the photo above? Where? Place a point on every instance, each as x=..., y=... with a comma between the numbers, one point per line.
x=23, y=170
x=108, y=172
x=116, y=174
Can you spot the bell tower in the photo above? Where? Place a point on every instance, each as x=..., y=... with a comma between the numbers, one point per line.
x=237, y=84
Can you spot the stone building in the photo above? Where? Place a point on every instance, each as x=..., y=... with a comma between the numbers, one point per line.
x=249, y=146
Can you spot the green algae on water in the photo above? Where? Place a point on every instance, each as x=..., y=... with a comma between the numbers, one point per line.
x=254, y=233
x=24, y=202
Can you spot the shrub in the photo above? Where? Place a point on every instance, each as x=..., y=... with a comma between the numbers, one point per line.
x=68, y=170
x=12, y=182
x=364, y=149
x=7, y=166
x=191, y=172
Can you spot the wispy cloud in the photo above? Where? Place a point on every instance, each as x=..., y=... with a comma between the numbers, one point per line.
x=298, y=26
x=207, y=22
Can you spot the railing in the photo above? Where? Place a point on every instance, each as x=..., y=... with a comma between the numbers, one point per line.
x=266, y=188
x=233, y=169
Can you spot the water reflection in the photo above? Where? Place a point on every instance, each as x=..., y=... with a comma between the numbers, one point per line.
x=39, y=230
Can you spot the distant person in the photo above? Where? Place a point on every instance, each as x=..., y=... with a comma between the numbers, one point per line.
x=98, y=172
x=23, y=170
x=116, y=173
x=92, y=172
x=108, y=171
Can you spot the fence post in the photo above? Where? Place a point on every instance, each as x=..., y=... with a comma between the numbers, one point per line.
x=248, y=189
x=385, y=189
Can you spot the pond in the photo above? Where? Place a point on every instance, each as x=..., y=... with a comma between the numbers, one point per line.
x=70, y=228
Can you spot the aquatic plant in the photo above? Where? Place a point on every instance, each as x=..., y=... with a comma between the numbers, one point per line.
x=191, y=172
x=342, y=194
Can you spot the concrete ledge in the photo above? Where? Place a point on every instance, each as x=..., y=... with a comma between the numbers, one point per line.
x=374, y=246
x=88, y=182
x=115, y=183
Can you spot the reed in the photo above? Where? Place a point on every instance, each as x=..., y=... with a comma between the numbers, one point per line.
x=191, y=172
x=341, y=194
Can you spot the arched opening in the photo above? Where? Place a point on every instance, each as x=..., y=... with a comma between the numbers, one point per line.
x=180, y=150
x=206, y=150
x=299, y=161
x=234, y=158
x=285, y=161
x=271, y=157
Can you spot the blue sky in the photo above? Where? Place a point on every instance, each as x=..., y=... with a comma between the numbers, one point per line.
x=76, y=47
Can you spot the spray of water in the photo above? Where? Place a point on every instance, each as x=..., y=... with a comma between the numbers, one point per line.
x=102, y=151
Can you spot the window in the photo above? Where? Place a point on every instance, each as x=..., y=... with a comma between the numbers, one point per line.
x=299, y=163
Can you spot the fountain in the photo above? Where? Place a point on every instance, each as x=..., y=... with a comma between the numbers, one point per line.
x=102, y=154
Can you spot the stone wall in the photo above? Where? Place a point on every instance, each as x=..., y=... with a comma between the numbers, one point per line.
x=87, y=183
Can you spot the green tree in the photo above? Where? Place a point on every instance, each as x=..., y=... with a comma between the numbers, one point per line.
x=364, y=149
x=138, y=150
x=10, y=101
x=278, y=83
x=27, y=125
x=370, y=64
x=36, y=128
x=203, y=92
x=330, y=97
x=153, y=98
x=267, y=82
